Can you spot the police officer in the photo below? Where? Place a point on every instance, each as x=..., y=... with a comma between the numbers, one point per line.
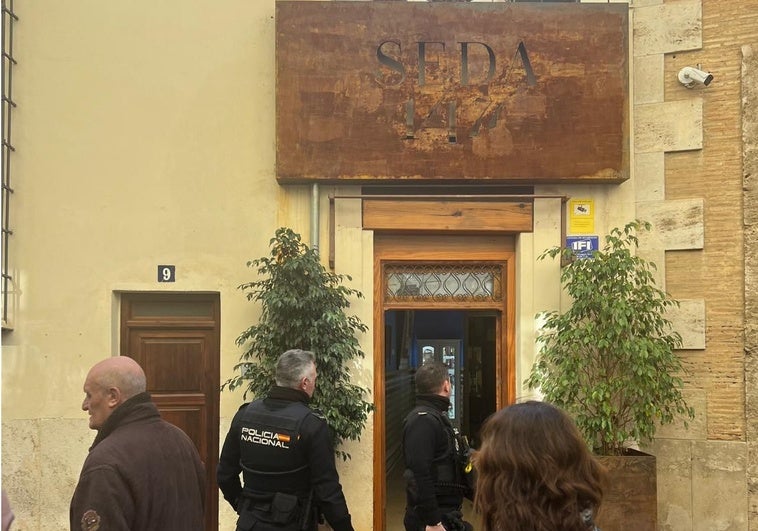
x=284, y=451
x=435, y=490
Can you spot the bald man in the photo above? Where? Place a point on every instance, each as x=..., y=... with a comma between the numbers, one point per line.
x=142, y=473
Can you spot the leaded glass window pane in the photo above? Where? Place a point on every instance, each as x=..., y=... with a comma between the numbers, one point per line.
x=443, y=282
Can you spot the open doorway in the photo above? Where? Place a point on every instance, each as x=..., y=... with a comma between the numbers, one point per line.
x=465, y=341
x=446, y=286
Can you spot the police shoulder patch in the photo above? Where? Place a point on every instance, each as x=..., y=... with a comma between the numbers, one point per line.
x=90, y=520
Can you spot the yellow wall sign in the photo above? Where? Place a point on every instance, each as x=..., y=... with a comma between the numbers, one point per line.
x=581, y=216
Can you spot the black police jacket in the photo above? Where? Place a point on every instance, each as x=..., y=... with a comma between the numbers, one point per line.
x=429, y=461
x=261, y=452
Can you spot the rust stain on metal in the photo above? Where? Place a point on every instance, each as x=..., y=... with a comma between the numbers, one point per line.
x=452, y=91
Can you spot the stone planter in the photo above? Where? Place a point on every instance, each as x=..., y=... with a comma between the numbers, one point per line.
x=630, y=500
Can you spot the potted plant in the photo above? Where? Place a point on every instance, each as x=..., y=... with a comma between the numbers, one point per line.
x=609, y=360
x=303, y=306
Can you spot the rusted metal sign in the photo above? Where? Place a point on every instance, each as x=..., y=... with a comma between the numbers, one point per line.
x=445, y=91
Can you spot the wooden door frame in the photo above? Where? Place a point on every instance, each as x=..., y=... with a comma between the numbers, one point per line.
x=412, y=249
x=212, y=377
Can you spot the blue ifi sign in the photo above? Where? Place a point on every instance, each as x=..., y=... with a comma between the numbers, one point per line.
x=583, y=246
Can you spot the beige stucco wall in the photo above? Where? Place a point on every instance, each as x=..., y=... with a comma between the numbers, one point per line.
x=144, y=135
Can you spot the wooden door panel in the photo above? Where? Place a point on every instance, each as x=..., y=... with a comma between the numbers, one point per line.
x=191, y=420
x=165, y=355
x=174, y=364
x=177, y=345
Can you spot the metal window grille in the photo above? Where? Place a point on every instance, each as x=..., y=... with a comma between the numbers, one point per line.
x=443, y=282
x=9, y=18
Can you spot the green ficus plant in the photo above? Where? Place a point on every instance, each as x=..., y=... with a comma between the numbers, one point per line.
x=303, y=306
x=610, y=359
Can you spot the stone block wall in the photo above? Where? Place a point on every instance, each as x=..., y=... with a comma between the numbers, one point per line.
x=749, y=106
x=692, y=160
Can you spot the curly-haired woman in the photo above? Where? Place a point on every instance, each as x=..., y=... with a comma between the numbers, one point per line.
x=536, y=472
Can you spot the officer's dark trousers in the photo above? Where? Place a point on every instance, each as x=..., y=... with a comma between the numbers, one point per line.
x=254, y=524
x=254, y=517
x=414, y=523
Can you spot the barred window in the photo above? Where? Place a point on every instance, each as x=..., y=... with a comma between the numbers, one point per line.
x=8, y=19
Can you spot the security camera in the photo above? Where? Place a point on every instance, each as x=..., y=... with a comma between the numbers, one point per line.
x=689, y=75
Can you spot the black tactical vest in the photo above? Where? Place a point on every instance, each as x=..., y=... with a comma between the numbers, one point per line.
x=445, y=467
x=271, y=455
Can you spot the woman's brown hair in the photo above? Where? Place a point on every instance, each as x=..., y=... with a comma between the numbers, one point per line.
x=535, y=471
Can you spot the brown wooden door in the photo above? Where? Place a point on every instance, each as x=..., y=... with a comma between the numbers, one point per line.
x=174, y=337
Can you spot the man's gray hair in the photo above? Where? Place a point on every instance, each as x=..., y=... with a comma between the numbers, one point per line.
x=293, y=366
x=133, y=383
